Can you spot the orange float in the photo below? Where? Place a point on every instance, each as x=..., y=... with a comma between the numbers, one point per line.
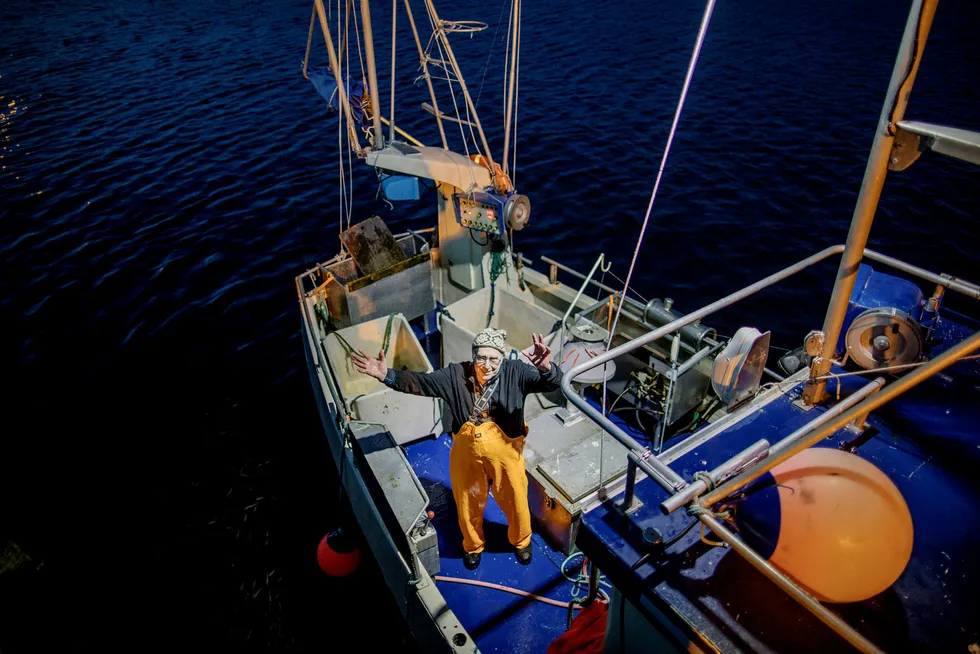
x=832, y=521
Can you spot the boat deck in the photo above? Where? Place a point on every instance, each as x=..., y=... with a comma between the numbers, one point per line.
x=925, y=441
x=498, y=621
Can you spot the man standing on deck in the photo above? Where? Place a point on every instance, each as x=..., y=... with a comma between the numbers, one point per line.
x=485, y=399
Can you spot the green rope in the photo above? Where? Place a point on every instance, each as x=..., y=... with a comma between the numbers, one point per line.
x=323, y=311
x=349, y=349
x=497, y=268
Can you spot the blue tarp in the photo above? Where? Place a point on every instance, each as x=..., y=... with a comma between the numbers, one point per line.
x=325, y=83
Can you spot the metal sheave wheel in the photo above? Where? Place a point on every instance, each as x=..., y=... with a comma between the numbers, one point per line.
x=517, y=211
x=883, y=337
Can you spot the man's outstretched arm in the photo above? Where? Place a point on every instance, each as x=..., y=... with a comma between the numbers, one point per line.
x=431, y=384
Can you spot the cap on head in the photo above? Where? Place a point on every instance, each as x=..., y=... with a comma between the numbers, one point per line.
x=491, y=337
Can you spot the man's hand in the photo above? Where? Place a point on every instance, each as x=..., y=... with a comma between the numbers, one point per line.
x=538, y=353
x=377, y=368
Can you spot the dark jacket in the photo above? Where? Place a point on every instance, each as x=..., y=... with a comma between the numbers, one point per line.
x=454, y=385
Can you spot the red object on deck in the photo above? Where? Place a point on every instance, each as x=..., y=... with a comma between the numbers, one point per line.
x=587, y=633
x=337, y=555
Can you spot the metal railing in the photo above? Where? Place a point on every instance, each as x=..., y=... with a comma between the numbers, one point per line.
x=759, y=458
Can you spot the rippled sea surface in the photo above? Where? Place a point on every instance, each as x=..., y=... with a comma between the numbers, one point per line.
x=165, y=172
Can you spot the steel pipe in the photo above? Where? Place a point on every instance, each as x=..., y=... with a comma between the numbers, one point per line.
x=968, y=289
x=803, y=441
x=903, y=74
x=693, y=361
x=728, y=300
x=697, y=487
x=791, y=588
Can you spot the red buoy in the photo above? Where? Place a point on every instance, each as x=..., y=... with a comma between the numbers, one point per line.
x=338, y=554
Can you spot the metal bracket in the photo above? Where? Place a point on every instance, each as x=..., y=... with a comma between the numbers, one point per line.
x=802, y=405
x=569, y=418
x=625, y=510
x=906, y=150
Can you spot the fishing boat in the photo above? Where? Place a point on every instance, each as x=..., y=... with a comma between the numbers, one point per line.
x=705, y=495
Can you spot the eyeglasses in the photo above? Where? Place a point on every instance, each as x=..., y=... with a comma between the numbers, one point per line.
x=493, y=361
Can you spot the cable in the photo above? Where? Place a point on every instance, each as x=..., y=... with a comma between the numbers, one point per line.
x=473, y=236
x=506, y=589
x=705, y=20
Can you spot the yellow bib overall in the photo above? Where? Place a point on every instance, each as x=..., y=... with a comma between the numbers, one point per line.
x=484, y=458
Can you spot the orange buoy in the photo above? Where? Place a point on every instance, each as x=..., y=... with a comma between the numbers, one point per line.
x=832, y=521
x=338, y=554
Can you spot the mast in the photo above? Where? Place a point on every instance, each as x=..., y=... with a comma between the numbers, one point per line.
x=335, y=66
x=372, y=73
x=899, y=89
x=515, y=10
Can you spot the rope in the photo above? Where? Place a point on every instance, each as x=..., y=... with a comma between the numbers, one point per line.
x=493, y=44
x=580, y=581
x=436, y=31
x=902, y=366
x=704, y=476
x=349, y=349
x=709, y=7
x=506, y=589
x=696, y=510
x=498, y=266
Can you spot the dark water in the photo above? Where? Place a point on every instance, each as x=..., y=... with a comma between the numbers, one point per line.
x=166, y=171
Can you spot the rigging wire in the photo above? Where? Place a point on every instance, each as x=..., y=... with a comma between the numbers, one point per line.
x=449, y=74
x=705, y=20
x=493, y=44
x=350, y=160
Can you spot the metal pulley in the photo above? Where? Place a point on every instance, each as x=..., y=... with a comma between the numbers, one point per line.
x=517, y=211
x=883, y=337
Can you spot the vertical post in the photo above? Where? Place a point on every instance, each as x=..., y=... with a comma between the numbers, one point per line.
x=513, y=78
x=372, y=74
x=309, y=43
x=394, y=40
x=630, y=484
x=335, y=67
x=428, y=79
x=903, y=76
x=462, y=83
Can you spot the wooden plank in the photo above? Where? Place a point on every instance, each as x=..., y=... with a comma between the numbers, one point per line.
x=361, y=282
x=372, y=246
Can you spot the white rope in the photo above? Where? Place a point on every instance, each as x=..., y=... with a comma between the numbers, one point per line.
x=350, y=159
x=872, y=371
x=444, y=67
x=709, y=7
x=493, y=44
x=367, y=132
